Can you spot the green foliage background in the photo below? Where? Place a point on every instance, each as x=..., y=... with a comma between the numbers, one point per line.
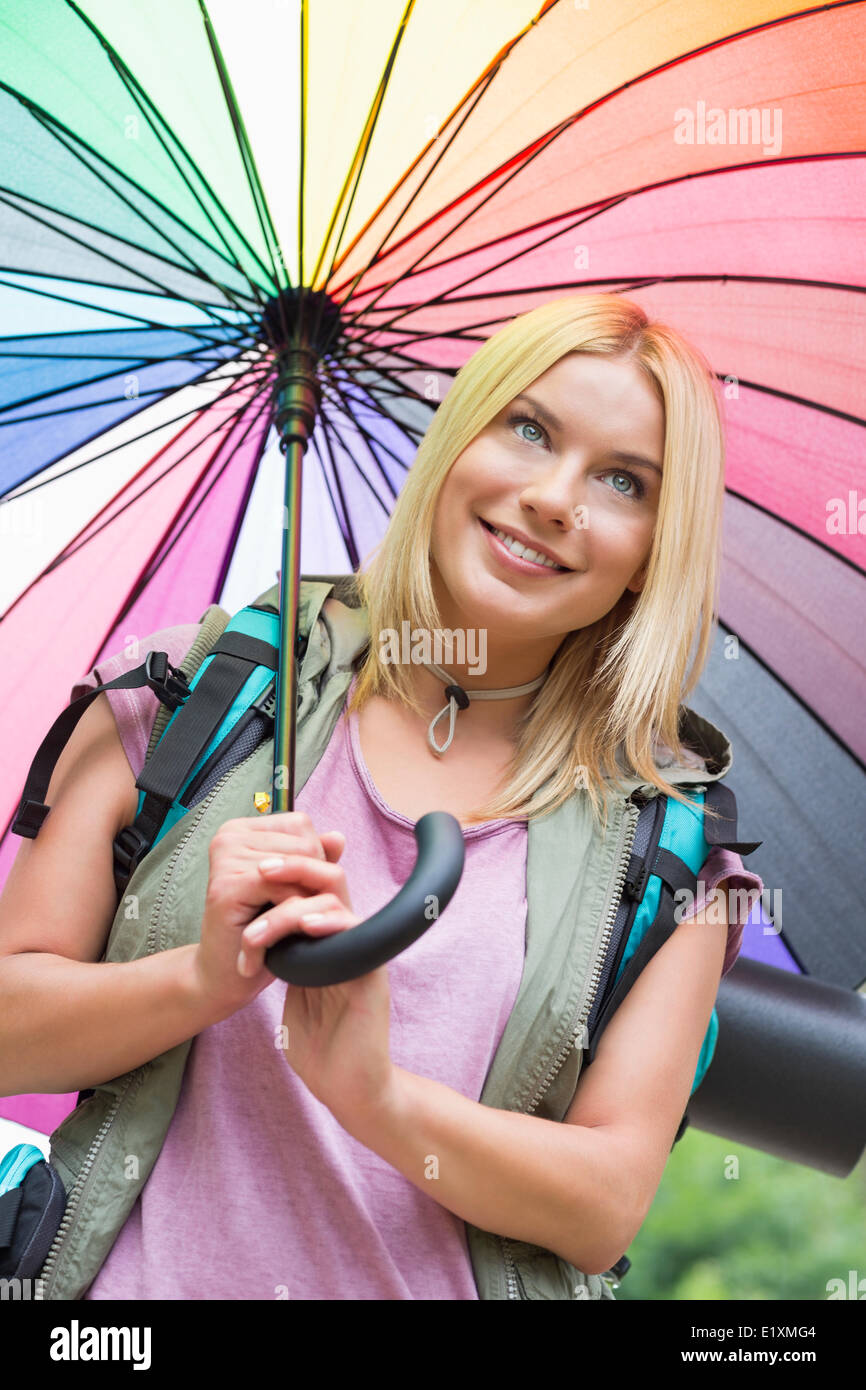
x=779, y=1230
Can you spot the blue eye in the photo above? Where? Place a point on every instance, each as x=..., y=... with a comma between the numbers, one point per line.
x=632, y=477
x=528, y=420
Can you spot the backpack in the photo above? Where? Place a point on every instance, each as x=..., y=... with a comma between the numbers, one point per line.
x=213, y=718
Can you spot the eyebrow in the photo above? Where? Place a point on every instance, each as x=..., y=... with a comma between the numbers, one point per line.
x=620, y=455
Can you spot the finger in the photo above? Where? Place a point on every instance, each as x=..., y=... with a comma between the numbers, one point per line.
x=327, y=846
x=280, y=844
x=295, y=822
x=289, y=918
x=334, y=842
x=301, y=868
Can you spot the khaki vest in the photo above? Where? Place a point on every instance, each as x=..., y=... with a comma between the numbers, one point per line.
x=574, y=879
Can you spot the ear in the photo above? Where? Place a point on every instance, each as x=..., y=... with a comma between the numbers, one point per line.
x=638, y=579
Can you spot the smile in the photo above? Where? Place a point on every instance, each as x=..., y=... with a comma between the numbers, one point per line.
x=515, y=559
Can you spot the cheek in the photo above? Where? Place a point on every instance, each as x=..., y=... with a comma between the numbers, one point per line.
x=460, y=498
x=616, y=545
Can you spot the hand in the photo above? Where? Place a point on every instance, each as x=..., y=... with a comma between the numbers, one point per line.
x=238, y=890
x=336, y=1037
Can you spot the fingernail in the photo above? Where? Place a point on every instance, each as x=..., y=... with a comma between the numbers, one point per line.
x=257, y=932
x=242, y=963
x=276, y=863
x=312, y=918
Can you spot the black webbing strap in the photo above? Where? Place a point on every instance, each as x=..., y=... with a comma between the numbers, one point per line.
x=186, y=738
x=675, y=874
x=10, y=1204
x=168, y=682
x=252, y=649
x=722, y=799
x=235, y=655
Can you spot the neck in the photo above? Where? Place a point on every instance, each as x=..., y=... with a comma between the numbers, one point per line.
x=496, y=720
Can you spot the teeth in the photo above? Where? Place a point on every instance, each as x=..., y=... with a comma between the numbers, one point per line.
x=523, y=551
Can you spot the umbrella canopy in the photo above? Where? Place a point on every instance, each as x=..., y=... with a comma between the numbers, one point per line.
x=177, y=183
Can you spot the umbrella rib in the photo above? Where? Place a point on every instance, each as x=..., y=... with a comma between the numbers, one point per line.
x=160, y=288
x=67, y=552
x=356, y=168
x=412, y=364
x=635, y=281
x=200, y=332
x=587, y=214
x=408, y=431
x=625, y=281
x=383, y=391
x=247, y=161
x=374, y=259
x=142, y=580
x=803, y=703
x=583, y=217
x=70, y=141
x=62, y=410
x=521, y=162
x=393, y=388
x=542, y=143
x=798, y=400
x=100, y=357
x=91, y=405
x=163, y=424
x=228, y=552
x=362, y=475
x=73, y=549
x=479, y=89
x=225, y=444
x=367, y=438
x=238, y=339
x=138, y=94
x=369, y=442
x=798, y=530
x=341, y=512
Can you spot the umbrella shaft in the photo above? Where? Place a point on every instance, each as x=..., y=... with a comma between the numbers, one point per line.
x=287, y=673
x=297, y=404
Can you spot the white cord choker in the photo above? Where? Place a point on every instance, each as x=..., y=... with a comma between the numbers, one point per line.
x=458, y=698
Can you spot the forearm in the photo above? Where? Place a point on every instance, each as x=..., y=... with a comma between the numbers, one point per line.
x=515, y=1175
x=67, y=1025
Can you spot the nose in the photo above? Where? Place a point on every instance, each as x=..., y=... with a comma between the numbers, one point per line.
x=557, y=496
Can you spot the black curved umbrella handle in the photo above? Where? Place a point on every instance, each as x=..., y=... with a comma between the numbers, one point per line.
x=344, y=955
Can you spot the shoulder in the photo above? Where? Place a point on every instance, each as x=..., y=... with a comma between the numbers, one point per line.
x=135, y=709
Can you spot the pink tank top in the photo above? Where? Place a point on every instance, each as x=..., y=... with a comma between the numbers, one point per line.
x=258, y=1192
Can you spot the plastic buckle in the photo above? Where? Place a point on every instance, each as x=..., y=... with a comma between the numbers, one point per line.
x=130, y=846
x=266, y=703
x=30, y=816
x=636, y=880
x=171, y=690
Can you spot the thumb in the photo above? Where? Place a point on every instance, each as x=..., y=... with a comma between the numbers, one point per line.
x=333, y=843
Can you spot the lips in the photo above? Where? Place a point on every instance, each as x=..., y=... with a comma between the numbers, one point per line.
x=560, y=569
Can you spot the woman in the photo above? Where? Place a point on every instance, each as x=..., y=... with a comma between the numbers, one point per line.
x=358, y=1104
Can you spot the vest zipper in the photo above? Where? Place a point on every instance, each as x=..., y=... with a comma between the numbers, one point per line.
x=628, y=826
x=45, y=1275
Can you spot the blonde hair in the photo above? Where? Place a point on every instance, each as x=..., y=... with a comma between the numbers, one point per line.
x=617, y=683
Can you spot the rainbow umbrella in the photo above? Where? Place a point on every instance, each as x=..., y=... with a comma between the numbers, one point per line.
x=230, y=231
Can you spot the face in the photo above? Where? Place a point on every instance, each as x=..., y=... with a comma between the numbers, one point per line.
x=555, y=471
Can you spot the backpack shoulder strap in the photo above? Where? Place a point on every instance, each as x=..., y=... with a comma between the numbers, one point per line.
x=224, y=654
x=671, y=844
x=165, y=680
x=211, y=627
